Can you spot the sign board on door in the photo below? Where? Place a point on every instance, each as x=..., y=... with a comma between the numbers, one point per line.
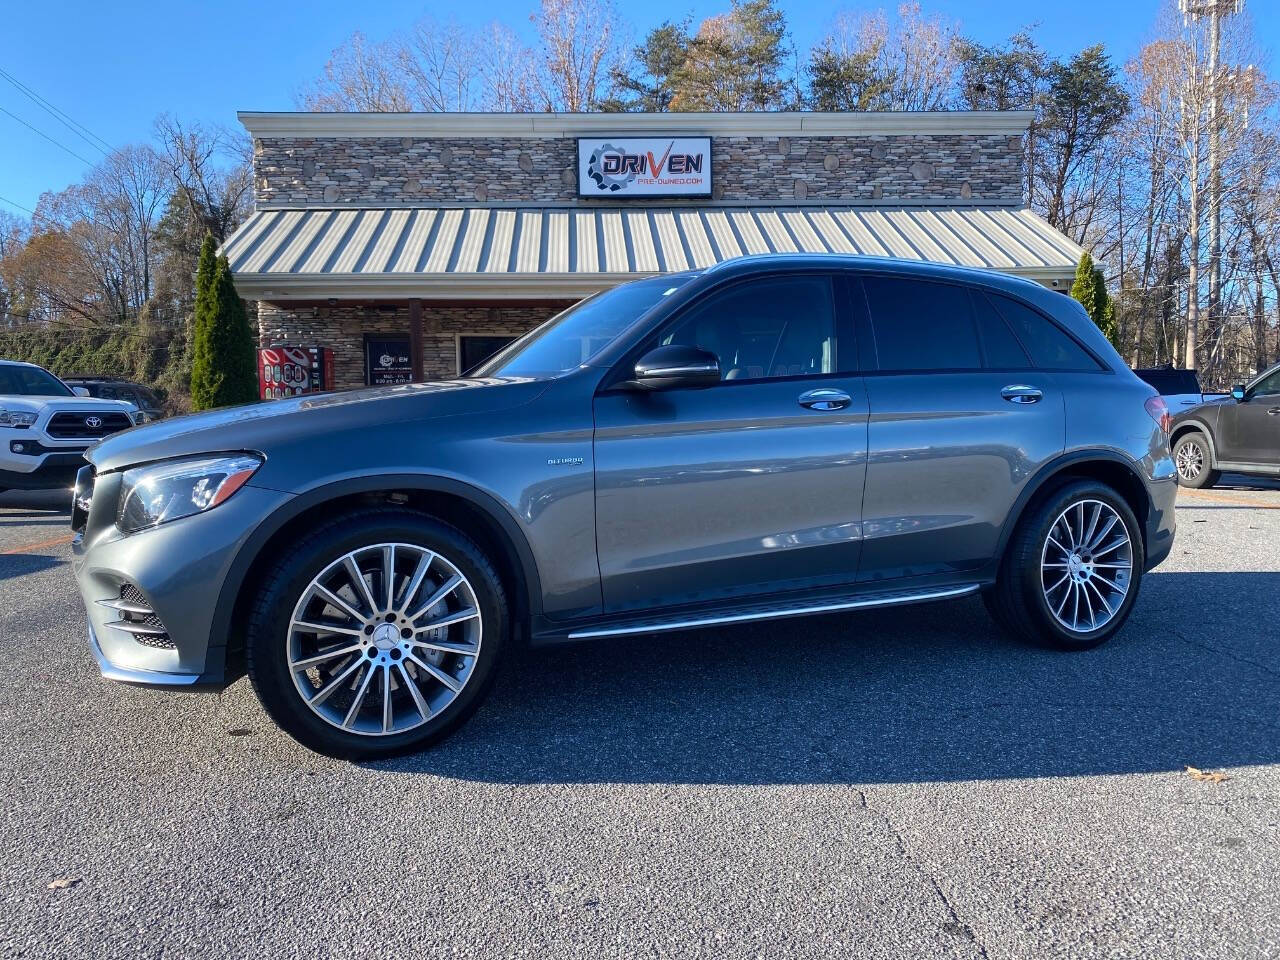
x=387, y=361
x=621, y=167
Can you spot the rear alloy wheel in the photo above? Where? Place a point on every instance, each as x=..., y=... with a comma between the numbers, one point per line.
x=1072, y=570
x=1191, y=457
x=378, y=635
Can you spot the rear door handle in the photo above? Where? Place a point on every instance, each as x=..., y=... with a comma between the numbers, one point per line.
x=1021, y=393
x=824, y=398
x=1274, y=412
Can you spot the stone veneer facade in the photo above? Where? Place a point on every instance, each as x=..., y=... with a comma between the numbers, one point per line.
x=381, y=161
x=343, y=327
x=300, y=171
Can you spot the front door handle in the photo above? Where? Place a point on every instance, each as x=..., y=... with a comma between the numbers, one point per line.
x=1021, y=393
x=1274, y=412
x=824, y=398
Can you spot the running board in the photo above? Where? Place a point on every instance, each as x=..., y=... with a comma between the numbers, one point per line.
x=865, y=602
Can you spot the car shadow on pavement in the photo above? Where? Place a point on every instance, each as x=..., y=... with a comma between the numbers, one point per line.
x=20, y=564
x=915, y=694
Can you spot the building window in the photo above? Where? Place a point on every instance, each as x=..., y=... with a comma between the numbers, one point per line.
x=473, y=351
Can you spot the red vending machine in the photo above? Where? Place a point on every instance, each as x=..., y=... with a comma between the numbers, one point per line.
x=290, y=371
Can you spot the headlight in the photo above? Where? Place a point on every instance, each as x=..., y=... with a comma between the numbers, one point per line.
x=171, y=489
x=139, y=417
x=17, y=418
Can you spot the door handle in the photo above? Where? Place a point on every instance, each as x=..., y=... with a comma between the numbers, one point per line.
x=1021, y=393
x=1274, y=412
x=824, y=398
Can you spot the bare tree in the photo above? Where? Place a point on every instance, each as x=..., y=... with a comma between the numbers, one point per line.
x=914, y=58
x=210, y=171
x=580, y=46
x=361, y=76
x=507, y=70
x=440, y=65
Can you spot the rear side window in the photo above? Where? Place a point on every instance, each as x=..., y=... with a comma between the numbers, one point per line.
x=920, y=325
x=1049, y=347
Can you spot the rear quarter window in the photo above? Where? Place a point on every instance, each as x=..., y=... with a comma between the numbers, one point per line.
x=1050, y=347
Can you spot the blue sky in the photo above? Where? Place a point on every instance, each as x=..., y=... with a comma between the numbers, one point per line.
x=114, y=66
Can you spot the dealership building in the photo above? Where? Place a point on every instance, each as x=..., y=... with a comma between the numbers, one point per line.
x=413, y=245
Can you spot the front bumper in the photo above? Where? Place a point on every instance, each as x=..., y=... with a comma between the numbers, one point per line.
x=48, y=468
x=180, y=568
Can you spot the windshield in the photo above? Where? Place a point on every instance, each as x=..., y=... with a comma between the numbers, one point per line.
x=573, y=337
x=31, y=382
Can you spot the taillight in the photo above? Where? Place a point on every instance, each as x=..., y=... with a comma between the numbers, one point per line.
x=1159, y=411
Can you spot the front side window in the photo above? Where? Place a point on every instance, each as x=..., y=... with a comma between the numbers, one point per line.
x=1268, y=386
x=572, y=338
x=770, y=327
x=921, y=325
x=31, y=382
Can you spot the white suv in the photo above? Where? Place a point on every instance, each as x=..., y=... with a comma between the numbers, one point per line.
x=45, y=427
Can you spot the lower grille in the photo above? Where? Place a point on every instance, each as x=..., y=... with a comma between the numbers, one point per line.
x=138, y=619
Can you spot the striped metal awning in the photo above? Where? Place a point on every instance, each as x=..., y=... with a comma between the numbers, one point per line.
x=535, y=252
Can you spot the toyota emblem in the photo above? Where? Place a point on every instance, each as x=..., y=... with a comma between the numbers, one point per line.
x=93, y=423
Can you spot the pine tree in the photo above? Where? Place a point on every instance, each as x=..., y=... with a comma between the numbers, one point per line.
x=206, y=308
x=224, y=368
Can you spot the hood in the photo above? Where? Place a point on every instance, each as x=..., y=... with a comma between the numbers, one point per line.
x=55, y=404
x=324, y=418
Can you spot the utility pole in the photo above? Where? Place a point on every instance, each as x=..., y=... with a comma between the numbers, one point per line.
x=1215, y=10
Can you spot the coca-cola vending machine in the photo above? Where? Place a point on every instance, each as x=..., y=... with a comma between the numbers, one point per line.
x=290, y=371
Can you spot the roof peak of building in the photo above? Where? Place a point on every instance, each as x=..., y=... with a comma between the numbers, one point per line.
x=541, y=125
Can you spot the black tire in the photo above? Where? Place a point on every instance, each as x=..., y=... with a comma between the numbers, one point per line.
x=268, y=629
x=1194, y=462
x=1017, y=602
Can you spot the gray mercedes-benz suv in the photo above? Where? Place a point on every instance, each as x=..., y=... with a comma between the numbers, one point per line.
x=771, y=437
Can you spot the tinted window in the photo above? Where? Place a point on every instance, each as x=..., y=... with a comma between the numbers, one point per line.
x=1049, y=347
x=18, y=381
x=921, y=325
x=1168, y=381
x=772, y=327
x=473, y=351
x=1000, y=348
x=1267, y=386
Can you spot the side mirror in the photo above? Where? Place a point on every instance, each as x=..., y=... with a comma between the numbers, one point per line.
x=80, y=391
x=1237, y=393
x=676, y=365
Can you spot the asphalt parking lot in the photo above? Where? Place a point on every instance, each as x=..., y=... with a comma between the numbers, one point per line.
x=897, y=784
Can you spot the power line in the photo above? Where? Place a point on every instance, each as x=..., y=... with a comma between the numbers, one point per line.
x=79, y=129
x=14, y=203
x=56, y=143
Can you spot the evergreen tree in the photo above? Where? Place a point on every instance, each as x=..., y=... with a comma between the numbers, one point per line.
x=736, y=61
x=846, y=80
x=649, y=83
x=1090, y=289
x=206, y=308
x=224, y=368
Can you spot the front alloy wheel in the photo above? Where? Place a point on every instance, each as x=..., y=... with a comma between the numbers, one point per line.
x=377, y=634
x=384, y=638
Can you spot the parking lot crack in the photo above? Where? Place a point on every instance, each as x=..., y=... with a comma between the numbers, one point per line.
x=1230, y=656
x=954, y=924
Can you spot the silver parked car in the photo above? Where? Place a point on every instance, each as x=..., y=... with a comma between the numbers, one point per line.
x=772, y=437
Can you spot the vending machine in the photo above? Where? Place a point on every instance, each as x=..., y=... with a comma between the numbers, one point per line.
x=290, y=371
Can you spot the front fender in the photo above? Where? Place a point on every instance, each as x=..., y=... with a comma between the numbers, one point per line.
x=277, y=520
